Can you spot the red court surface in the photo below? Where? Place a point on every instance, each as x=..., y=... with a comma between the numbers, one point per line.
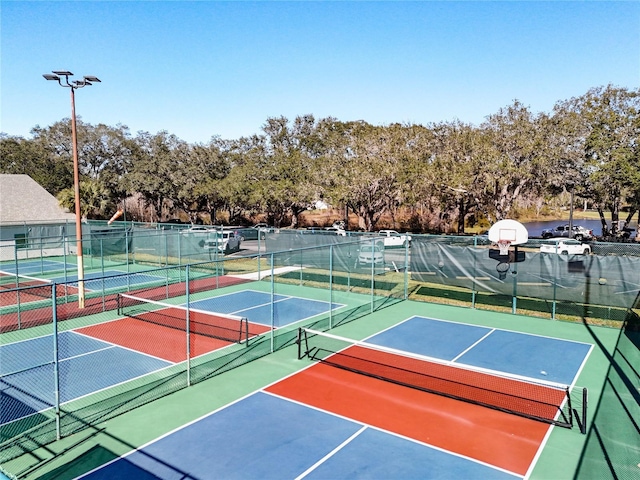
x=500, y=439
x=156, y=340
x=31, y=293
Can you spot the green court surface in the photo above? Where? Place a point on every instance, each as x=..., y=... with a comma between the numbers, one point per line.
x=76, y=454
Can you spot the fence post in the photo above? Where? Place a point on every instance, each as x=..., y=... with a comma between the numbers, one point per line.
x=166, y=250
x=555, y=286
x=56, y=362
x=475, y=271
x=330, y=287
x=373, y=274
x=406, y=270
x=126, y=245
x=273, y=293
x=188, y=316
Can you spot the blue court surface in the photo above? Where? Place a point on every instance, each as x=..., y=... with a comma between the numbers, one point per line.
x=27, y=366
x=27, y=371
x=264, y=435
x=35, y=267
x=531, y=356
x=256, y=307
x=97, y=281
x=268, y=437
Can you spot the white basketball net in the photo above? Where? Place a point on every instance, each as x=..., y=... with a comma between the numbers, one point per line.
x=504, y=245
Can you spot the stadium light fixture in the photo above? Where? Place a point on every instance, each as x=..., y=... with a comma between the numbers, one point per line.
x=57, y=75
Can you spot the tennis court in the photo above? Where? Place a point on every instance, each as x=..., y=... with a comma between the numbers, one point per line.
x=66, y=284
x=98, y=281
x=28, y=379
x=159, y=329
x=35, y=267
x=192, y=375
x=257, y=307
x=328, y=422
x=149, y=337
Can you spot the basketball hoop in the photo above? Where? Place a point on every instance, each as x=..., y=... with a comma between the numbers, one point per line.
x=504, y=245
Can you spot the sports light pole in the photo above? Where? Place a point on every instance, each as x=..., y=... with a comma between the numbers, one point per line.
x=73, y=85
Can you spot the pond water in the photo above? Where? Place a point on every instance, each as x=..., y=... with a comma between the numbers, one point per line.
x=535, y=228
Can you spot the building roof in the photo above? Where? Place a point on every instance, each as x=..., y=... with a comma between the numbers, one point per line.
x=22, y=199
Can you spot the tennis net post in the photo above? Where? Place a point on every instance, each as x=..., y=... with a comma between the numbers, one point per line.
x=548, y=402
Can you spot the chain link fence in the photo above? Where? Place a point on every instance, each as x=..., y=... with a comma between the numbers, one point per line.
x=53, y=351
x=303, y=278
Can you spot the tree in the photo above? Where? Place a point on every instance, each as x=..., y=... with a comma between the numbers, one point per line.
x=157, y=170
x=609, y=117
x=458, y=163
x=513, y=164
x=33, y=158
x=107, y=154
x=274, y=171
x=95, y=199
x=366, y=164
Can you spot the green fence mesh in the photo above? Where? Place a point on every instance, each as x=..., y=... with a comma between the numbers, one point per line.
x=354, y=274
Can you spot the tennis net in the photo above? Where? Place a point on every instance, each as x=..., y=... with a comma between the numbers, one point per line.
x=543, y=401
x=231, y=328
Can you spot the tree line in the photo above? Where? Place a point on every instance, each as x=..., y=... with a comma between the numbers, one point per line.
x=440, y=177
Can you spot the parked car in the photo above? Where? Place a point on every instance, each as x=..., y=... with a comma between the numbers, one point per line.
x=391, y=238
x=566, y=247
x=259, y=230
x=198, y=230
x=336, y=230
x=579, y=233
x=370, y=254
x=225, y=241
x=323, y=230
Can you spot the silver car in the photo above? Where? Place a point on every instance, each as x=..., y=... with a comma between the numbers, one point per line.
x=370, y=254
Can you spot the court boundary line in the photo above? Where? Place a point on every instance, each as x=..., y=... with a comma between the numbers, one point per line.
x=285, y=298
x=492, y=330
x=110, y=346
x=497, y=328
x=443, y=362
x=155, y=325
x=536, y=457
x=470, y=347
x=332, y=452
x=388, y=432
x=80, y=334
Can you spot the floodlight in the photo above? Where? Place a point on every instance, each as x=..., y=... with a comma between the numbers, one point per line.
x=73, y=85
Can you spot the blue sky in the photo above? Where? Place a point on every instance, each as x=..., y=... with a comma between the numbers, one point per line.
x=206, y=68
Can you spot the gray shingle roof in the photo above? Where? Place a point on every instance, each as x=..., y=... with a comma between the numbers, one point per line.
x=22, y=199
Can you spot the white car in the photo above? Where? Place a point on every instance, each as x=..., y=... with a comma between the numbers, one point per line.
x=198, y=230
x=370, y=254
x=565, y=247
x=391, y=238
x=225, y=242
x=337, y=231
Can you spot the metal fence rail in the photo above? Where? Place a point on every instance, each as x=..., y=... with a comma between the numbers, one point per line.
x=353, y=274
x=42, y=330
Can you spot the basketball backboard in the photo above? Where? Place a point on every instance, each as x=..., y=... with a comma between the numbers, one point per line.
x=510, y=231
